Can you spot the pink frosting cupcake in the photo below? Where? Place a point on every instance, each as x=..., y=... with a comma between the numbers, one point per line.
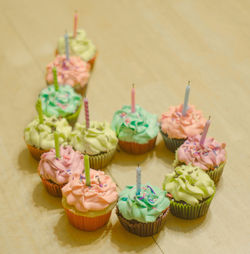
x=211, y=156
x=89, y=207
x=176, y=128
x=74, y=72
x=55, y=172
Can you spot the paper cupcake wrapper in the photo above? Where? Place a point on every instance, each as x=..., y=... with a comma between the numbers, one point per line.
x=73, y=117
x=136, y=148
x=102, y=160
x=87, y=223
x=36, y=152
x=216, y=173
x=172, y=143
x=189, y=212
x=52, y=188
x=143, y=229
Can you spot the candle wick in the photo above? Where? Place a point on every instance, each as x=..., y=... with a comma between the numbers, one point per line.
x=209, y=117
x=189, y=82
x=133, y=85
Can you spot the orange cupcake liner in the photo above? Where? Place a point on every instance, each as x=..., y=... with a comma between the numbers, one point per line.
x=52, y=188
x=36, y=152
x=87, y=223
x=136, y=148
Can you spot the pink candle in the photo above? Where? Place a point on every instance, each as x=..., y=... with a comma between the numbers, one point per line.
x=75, y=23
x=86, y=107
x=204, y=133
x=133, y=99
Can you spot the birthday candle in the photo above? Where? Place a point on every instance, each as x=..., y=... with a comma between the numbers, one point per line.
x=55, y=79
x=75, y=23
x=66, y=37
x=133, y=99
x=138, y=180
x=204, y=133
x=87, y=170
x=57, y=146
x=185, y=105
x=86, y=107
x=39, y=110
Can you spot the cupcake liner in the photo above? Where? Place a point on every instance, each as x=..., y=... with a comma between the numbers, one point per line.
x=136, y=148
x=172, y=143
x=186, y=211
x=92, y=61
x=52, y=188
x=36, y=152
x=143, y=229
x=100, y=161
x=73, y=117
x=81, y=90
x=216, y=173
x=87, y=223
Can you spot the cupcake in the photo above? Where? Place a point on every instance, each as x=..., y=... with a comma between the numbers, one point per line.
x=176, y=128
x=64, y=102
x=136, y=132
x=191, y=191
x=55, y=172
x=73, y=72
x=211, y=156
x=39, y=137
x=142, y=214
x=89, y=207
x=79, y=46
x=98, y=141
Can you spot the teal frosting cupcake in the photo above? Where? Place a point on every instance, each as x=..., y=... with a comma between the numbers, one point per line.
x=142, y=214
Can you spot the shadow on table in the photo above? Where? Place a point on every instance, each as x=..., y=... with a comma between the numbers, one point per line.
x=126, y=241
x=162, y=153
x=69, y=235
x=26, y=162
x=42, y=198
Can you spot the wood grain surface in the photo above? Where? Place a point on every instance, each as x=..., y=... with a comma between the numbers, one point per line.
x=158, y=45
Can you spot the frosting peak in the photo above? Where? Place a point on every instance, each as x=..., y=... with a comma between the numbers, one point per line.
x=59, y=169
x=71, y=72
x=175, y=125
x=209, y=156
x=96, y=197
x=138, y=127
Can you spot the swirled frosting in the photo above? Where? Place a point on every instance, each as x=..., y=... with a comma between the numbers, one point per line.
x=42, y=135
x=208, y=156
x=189, y=184
x=175, y=125
x=59, y=170
x=98, y=196
x=98, y=138
x=145, y=207
x=71, y=72
x=138, y=127
x=78, y=46
x=63, y=102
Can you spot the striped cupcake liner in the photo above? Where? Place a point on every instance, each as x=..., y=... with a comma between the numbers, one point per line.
x=143, y=229
x=136, y=148
x=216, y=173
x=36, y=152
x=52, y=188
x=172, y=143
x=186, y=211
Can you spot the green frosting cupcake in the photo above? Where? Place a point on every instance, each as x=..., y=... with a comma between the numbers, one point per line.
x=138, y=127
x=146, y=207
x=97, y=139
x=42, y=135
x=189, y=184
x=78, y=46
x=63, y=102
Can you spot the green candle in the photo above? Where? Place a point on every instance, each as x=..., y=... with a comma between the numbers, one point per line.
x=57, y=146
x=55, y=79
x=39, y=110
x=86, y=166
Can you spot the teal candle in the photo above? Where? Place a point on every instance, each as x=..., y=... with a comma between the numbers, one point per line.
x=55, y=78
x=185, y=105
x=57, y=146
x=87, y=169
x=39, y=110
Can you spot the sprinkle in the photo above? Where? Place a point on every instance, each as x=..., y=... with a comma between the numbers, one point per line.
x=150, y=189
x=123, y=114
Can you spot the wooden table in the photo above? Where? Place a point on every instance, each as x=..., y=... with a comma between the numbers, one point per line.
x=158, y=45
